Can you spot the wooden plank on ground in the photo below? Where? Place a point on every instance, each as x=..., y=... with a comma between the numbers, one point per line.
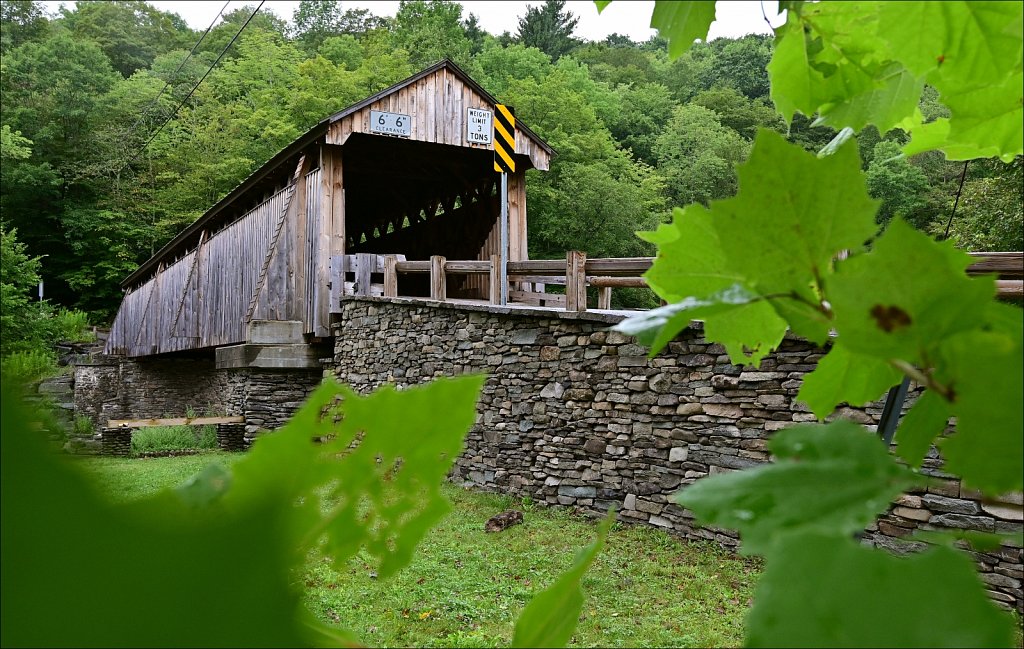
x=173, y=421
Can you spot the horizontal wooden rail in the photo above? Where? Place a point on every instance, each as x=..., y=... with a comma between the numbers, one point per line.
x=1008, y=265
x=613, y=282
x=1010, y=289
x=173, y=421
x=529, y=277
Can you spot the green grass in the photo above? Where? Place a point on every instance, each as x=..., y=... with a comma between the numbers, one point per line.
x=124, y=479
x=466, y=588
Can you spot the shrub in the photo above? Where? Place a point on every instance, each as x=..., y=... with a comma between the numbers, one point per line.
x=173, y=438
x=83, y=426
x=24, y=367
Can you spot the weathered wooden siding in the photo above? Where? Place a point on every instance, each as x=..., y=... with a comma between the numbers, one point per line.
x=213, y=297
x=275, y=261
x=314, y=283
x=437, y=105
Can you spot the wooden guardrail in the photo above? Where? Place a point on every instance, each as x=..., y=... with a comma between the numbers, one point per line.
x=528, y=279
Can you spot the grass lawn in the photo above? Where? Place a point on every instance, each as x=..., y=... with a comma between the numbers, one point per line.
x=466, y=587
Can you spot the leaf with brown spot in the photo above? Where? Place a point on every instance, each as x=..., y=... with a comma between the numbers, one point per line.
x=890, y=318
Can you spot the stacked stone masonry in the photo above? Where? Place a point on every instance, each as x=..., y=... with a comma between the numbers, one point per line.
x=112, y=387
x=575, y=415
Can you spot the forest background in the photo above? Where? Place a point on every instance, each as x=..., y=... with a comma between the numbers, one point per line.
x=93, y=181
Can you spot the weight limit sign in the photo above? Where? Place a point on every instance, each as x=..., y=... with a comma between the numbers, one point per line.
x=504, y=139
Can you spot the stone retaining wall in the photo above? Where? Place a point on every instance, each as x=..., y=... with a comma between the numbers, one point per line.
x=267, y=398
x=576, y=415
x=113, y=387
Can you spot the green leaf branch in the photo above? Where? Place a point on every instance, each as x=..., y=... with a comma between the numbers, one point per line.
x=899, y=304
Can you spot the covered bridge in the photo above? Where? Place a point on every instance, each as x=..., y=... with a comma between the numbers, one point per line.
x=402, y=172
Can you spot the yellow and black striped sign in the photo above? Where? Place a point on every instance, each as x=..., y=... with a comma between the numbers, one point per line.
x=504, y=139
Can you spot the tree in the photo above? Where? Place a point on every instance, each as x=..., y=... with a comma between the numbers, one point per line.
x=344, y=51
x=698, y=156
x=132, y=34
x=742, y=64
x=617, y=64
x=232, y=22
x=19, y=274
x=549, y=28
x=596, y=208
x=475, y=33
x=898, y=184
x=315, y=20
x=738, y=112
x=990, y=215
x=21, y=21
x=51, y=94
x=645, y=110
x=431, y=30
x=500, y=67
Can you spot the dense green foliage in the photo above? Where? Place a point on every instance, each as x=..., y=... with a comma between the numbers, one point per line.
x=799, y=248
x=635, y=131
x=29, y=327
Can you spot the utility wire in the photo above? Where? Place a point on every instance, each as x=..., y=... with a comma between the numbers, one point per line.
x=963, y=174
x=195, y=87
x=174, y=74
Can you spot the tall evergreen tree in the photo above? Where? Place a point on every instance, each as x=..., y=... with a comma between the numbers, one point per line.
x=549, y=28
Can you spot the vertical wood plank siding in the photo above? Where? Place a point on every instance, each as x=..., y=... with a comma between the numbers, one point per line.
x=215, y=300
x=314, y=282
x=437, y=105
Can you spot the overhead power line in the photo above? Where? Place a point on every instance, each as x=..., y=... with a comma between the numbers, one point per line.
x=195, y=87
x=174, y=75
x=963, y=174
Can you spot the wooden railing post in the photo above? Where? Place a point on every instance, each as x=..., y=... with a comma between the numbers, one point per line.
x=575, y=281
x=390, y=276
x=604, y=297
x=495, y=279
x=364, y=268
x=438, y=285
